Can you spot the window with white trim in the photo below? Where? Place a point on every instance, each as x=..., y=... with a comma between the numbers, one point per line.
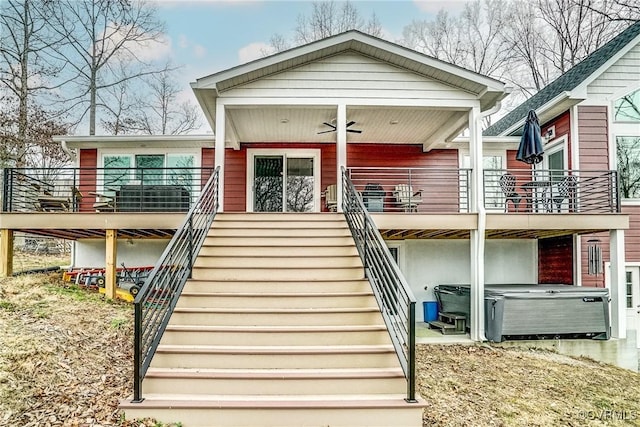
x=626, y=117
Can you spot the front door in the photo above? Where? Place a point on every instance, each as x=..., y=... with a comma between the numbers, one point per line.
x=286, y=182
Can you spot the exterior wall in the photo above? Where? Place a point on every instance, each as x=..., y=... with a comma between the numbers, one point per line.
x=624, y=73
x=555, y=261
x=358, y=155
x=562, y=124
x=427, y=263
x=90, y=253
x=348, y=75
x=587, y=280
x=632, y=235
x=88, y=160
x=594, y=138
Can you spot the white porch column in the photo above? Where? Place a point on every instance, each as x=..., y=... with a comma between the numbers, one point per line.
x=220, y=150
x=617, y=285
x=341, y=148
x=477, y=236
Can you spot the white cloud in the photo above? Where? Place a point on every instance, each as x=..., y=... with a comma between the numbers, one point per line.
x=199, y=51
x=434, y=6
x=252, y=51
x=183, y=42
x=154, y=50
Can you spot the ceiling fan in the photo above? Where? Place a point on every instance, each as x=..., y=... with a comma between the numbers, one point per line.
x=334, y=128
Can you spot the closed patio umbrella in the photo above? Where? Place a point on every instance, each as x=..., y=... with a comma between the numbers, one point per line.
x=530, y=150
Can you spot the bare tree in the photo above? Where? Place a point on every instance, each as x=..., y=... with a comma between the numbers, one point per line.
x=99, y=34
x=472, y=40
x=577, y=31
x=25, y=66
x=327, y=18
x=525, y=34
x=38, y=148
x=616, y=10
x=156, y=110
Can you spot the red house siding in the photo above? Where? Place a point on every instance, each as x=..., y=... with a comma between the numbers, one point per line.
x=587, y=280
x=562, y=124
x=593, y=134
x=632, y=235
x=358, y=155
x=555, y=260
x=88, y=160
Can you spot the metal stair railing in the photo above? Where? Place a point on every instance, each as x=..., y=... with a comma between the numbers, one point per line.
x=395, y=299
x=159, y=295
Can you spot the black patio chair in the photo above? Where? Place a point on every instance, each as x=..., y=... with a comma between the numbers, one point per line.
x=508, y=187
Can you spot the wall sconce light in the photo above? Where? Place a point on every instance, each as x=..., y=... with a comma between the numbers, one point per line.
x=549, y=134
x=594, y=259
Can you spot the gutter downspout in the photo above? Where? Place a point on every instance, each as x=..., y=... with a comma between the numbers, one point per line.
x=71, y=153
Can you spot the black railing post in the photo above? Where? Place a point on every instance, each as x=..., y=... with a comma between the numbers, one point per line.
x=190, y=244
x=411, y=349
x=137, y=353
x=6, y=196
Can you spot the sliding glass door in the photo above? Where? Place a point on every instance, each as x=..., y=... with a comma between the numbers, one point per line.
x=284, y=183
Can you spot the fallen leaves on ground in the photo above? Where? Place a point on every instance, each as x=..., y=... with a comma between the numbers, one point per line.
x=482, y=385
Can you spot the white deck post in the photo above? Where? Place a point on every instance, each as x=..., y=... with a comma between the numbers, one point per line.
x=477, y=236
x=341, y=149
x=220, y=150
x=617, y=285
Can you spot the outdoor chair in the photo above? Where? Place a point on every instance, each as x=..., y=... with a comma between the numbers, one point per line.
x=331, y=197
x=564, y=189
x=508, y=187
x=103, y=202
x=406, y=198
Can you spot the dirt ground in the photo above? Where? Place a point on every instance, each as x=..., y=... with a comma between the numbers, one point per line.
x=66, y=356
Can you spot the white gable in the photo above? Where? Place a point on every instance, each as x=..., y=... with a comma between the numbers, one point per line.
x=623, y=74
x=348, y=76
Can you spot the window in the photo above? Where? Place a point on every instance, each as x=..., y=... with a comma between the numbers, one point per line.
x=493, y=165
x=627, y=108
x=629, y=289
x=628, y=161
x=148, y=169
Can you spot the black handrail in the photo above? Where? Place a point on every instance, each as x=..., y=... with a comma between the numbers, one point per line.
x=159, y=295
x=394, y=297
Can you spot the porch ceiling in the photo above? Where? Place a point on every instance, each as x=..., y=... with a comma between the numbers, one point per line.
x=404, y=125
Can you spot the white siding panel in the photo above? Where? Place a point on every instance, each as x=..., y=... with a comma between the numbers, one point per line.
x=348, y=76
x=624, y=73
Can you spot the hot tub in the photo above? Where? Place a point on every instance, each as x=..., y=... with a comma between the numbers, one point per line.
x=534, y=311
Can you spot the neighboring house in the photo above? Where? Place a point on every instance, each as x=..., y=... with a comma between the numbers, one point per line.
x=591, y=118
x=285, y=127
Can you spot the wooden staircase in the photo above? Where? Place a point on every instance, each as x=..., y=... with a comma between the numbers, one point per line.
x=277, y=327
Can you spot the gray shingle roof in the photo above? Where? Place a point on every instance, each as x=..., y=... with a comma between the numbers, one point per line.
x=567, y=81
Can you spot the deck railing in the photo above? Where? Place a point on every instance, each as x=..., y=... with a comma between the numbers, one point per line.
x=102, y=189
x=551, y=191
x=395, y=299
x=423, y=190
x=159, y=295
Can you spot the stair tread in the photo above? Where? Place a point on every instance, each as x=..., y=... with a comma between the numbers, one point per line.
x=266, y=401
x=440, y=324
x=278, y=373
x=321, y=310
x=314, y=328
x=284, y=349
x=276, y=294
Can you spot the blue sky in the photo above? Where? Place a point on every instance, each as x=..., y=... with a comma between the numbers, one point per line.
x=208, y=36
